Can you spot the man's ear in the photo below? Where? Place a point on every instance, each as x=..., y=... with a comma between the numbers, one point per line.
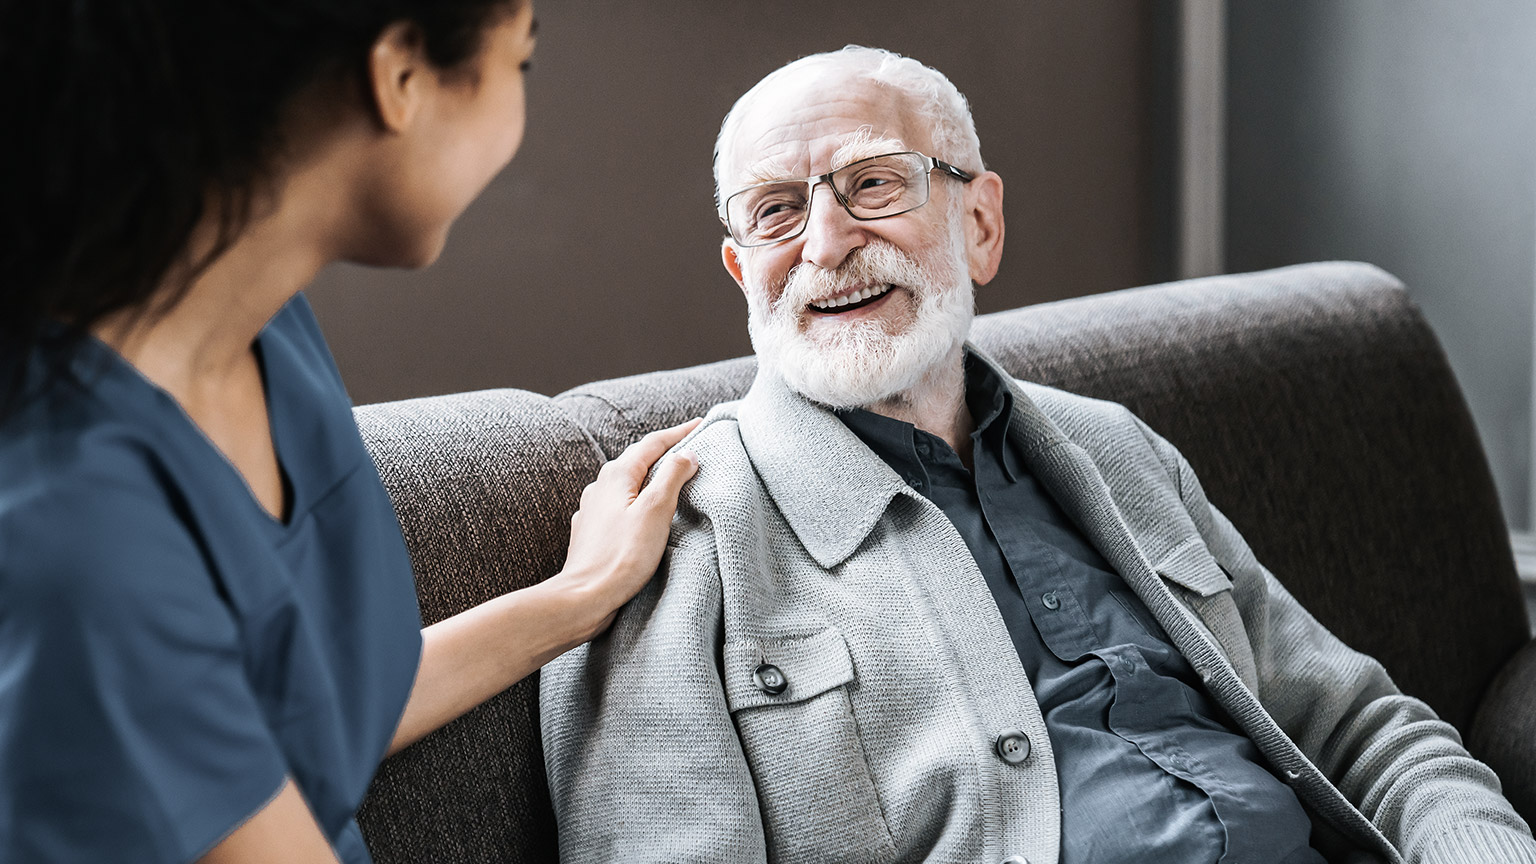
x=984, y=226
x=732, y=261
x=397, y=75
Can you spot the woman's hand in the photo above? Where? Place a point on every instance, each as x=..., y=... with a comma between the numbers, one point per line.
x=619, y=533
x=617, y=538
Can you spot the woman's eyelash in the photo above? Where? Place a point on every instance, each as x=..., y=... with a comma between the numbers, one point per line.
x=525, y=65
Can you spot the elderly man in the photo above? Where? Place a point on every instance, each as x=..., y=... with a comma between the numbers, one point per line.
x=914, y=610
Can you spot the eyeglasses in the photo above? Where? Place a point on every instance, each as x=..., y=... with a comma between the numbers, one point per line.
x=875, y=188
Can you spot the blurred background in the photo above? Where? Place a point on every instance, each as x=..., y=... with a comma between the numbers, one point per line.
x=1140, y=141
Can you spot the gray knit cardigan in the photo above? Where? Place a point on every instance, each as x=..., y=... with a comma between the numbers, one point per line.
x=796, y=546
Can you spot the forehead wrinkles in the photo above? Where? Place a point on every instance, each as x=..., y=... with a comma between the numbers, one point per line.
x=860, y=144
x=795, y=131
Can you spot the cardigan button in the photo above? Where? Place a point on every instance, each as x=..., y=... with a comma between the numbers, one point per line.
x=1015, y=859
x=769, y=679
x=1013, y=746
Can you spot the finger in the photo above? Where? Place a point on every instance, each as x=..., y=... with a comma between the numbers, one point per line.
x=667, y=483
x=650, y=448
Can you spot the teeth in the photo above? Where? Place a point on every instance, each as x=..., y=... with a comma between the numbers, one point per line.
x=856, y=297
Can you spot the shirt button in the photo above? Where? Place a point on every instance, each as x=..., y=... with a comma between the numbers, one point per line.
x=1013, y=746
x=1050, y=601
x=769, y=679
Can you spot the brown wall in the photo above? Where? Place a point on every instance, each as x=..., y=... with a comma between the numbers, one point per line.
x=596, y=253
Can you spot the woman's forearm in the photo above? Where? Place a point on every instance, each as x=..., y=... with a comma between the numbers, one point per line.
x=480, y=652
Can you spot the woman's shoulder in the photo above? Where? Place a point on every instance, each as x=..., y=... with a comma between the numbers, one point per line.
x=84, y=497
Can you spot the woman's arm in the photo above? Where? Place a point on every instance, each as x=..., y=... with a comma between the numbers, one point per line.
x=617, y=538
x=284, y=830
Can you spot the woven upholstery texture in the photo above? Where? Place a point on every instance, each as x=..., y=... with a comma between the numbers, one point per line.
x=484, y=485
x=1504, y=733
x=1322, y=417
x=617, y=412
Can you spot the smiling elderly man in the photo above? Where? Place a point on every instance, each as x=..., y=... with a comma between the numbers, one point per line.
x=914, y=610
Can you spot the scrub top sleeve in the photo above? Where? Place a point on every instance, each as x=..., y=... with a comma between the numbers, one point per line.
x=128, y=728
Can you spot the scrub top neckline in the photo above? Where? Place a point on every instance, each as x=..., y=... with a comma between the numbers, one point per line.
x=131, y=378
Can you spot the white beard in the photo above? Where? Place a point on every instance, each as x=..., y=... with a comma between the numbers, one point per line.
x=860, y=363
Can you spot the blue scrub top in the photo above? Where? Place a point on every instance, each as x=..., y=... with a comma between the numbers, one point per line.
x=169, y=652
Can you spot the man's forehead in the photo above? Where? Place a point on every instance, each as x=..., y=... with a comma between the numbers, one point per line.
x=809, y=127
x=799, y=158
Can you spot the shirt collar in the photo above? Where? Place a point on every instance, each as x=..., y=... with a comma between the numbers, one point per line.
x=990, y=399
x=991, y=404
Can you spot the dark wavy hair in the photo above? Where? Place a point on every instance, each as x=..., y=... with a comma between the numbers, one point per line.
x=131, y=119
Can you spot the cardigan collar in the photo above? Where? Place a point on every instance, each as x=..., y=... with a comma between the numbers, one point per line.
x=829, y=485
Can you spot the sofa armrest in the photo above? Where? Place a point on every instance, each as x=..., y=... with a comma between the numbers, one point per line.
x=1504, y=730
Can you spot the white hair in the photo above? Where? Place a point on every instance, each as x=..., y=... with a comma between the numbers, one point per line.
x=928, y=93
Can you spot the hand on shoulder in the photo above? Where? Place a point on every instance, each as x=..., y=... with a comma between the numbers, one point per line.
x=619, y=533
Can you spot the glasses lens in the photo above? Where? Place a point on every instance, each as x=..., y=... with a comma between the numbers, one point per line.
x=767, y=212
x=884, y=185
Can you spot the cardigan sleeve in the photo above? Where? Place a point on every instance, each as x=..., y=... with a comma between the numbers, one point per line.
x=643, y=760
x=1388, y=753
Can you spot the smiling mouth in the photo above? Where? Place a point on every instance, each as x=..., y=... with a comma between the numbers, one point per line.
x=849, y=302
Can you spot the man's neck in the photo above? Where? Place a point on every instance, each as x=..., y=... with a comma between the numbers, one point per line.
x=936, y=405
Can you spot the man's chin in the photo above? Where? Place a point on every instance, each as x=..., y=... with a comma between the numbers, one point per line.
x=843, y=379
x=856, y=363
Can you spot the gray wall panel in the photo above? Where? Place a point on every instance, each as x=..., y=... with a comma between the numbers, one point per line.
x=1401, y=132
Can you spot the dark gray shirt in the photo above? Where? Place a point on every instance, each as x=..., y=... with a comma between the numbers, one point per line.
x=1151, y=770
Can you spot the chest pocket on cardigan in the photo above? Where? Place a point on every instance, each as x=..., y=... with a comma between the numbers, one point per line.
x=1206, y=590
x=814, y=789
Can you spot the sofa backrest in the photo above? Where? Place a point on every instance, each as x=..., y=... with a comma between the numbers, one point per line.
x=1313, y=401
x=484, y=484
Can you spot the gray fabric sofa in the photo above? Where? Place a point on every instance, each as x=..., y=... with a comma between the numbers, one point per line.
x=1313, y=401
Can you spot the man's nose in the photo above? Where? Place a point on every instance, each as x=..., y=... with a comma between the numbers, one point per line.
x=831, y=232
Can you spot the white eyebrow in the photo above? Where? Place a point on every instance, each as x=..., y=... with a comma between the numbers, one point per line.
x=862, y=145
x=763, y=171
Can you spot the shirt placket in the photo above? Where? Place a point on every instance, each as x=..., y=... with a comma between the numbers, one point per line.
x=1066, y=627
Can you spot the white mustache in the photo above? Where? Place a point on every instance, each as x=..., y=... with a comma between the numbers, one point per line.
x=878, y=263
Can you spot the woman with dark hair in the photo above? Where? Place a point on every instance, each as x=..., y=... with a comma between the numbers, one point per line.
x=208, y=629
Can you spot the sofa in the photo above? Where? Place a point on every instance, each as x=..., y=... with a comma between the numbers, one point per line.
x=1313, y=401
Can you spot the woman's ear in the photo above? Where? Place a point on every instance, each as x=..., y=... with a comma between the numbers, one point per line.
x=398, y=74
